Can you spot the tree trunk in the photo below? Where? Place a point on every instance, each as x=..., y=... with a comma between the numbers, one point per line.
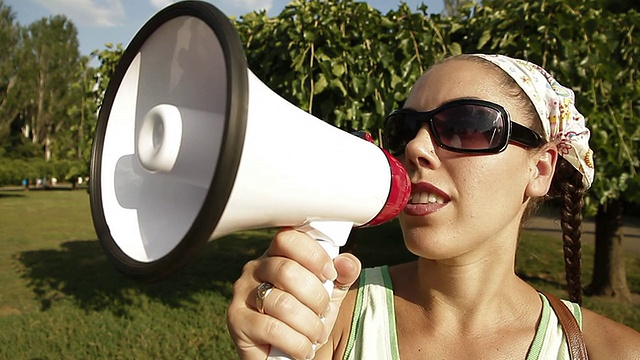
x=609, y=274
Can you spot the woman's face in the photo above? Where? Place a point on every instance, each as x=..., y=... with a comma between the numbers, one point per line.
x=462, y=204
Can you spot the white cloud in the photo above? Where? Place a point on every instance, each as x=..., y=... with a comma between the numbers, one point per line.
x=241, y=7
x=99, y=13
x=253, y=5
x=159, y=4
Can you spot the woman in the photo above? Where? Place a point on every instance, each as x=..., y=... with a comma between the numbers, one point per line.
x=473, y=183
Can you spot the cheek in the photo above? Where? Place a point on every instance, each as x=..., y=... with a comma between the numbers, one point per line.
x=493, y=183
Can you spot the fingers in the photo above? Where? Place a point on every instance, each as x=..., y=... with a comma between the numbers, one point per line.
x=288, y=309
x=295, y=263
x=261, y=332
x=298, y=246
x=348, y=268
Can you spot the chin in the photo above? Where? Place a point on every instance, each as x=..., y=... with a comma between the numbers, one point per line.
x=426, y=243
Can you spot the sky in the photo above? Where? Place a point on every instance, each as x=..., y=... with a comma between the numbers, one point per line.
x=117, y=21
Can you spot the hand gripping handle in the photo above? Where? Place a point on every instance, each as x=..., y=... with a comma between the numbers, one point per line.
x=331, y=235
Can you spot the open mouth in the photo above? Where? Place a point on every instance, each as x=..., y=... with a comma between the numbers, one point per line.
x=426, y=198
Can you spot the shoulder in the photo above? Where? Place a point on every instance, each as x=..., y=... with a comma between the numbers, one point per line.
x=607, y=339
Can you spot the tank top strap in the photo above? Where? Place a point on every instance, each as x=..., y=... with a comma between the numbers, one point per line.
x=373, y=332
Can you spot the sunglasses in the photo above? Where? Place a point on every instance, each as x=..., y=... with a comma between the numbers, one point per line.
x=464, y=126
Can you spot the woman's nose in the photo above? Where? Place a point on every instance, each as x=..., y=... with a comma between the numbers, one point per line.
x=420, y=152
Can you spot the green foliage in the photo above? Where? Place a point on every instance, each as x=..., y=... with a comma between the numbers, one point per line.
x=73, y=142
x=93, y=86
x=341, y=60
x=591, y=50
x=13, y=171
x=9, y=64
x=108, y=58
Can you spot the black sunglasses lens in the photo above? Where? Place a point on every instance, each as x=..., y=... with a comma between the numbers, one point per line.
x=470, y=127
x=400, y=128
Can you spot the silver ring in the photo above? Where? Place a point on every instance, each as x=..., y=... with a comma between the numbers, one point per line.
x=262, y=292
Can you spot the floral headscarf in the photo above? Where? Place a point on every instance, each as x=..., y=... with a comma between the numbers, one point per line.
x=555, y=104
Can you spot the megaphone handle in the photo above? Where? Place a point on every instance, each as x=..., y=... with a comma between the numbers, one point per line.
x=333, y=251
x=338, y=236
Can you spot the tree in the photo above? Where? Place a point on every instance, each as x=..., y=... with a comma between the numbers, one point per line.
x=619, y=165
x=51, y=59
x=108, y=58
x=88, y=107
x=9, y=39
x=91, y=87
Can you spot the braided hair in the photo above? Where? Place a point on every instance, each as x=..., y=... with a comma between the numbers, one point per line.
x=568, y=186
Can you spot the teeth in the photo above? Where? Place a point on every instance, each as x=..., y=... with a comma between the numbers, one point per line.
x=425, y=198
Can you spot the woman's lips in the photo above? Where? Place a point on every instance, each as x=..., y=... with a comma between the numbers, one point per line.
x=425, y=199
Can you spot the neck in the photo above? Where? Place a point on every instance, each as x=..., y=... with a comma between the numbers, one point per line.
x=468, y=289
x=465, y=283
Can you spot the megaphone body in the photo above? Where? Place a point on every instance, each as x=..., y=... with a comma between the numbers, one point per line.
x=191, y=146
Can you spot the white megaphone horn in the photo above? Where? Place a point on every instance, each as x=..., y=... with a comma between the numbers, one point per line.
x=190, y=146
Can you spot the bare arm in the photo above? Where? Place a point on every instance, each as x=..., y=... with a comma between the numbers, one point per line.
x=607, y=339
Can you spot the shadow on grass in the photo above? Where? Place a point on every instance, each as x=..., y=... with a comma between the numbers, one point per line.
x=80, y=272
x=10, y=195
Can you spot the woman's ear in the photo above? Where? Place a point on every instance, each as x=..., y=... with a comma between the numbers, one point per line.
x=543, y=168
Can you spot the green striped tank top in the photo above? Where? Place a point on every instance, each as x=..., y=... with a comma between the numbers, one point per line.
x=373, y=329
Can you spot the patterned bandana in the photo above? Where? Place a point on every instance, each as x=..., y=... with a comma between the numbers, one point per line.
x=555, y=104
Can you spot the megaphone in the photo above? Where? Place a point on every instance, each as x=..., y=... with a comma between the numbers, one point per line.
x=190, y=146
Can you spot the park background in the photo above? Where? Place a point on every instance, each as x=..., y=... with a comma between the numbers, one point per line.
x=346, y=63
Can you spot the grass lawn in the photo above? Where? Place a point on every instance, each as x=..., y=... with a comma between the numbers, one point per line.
x=61, y=299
